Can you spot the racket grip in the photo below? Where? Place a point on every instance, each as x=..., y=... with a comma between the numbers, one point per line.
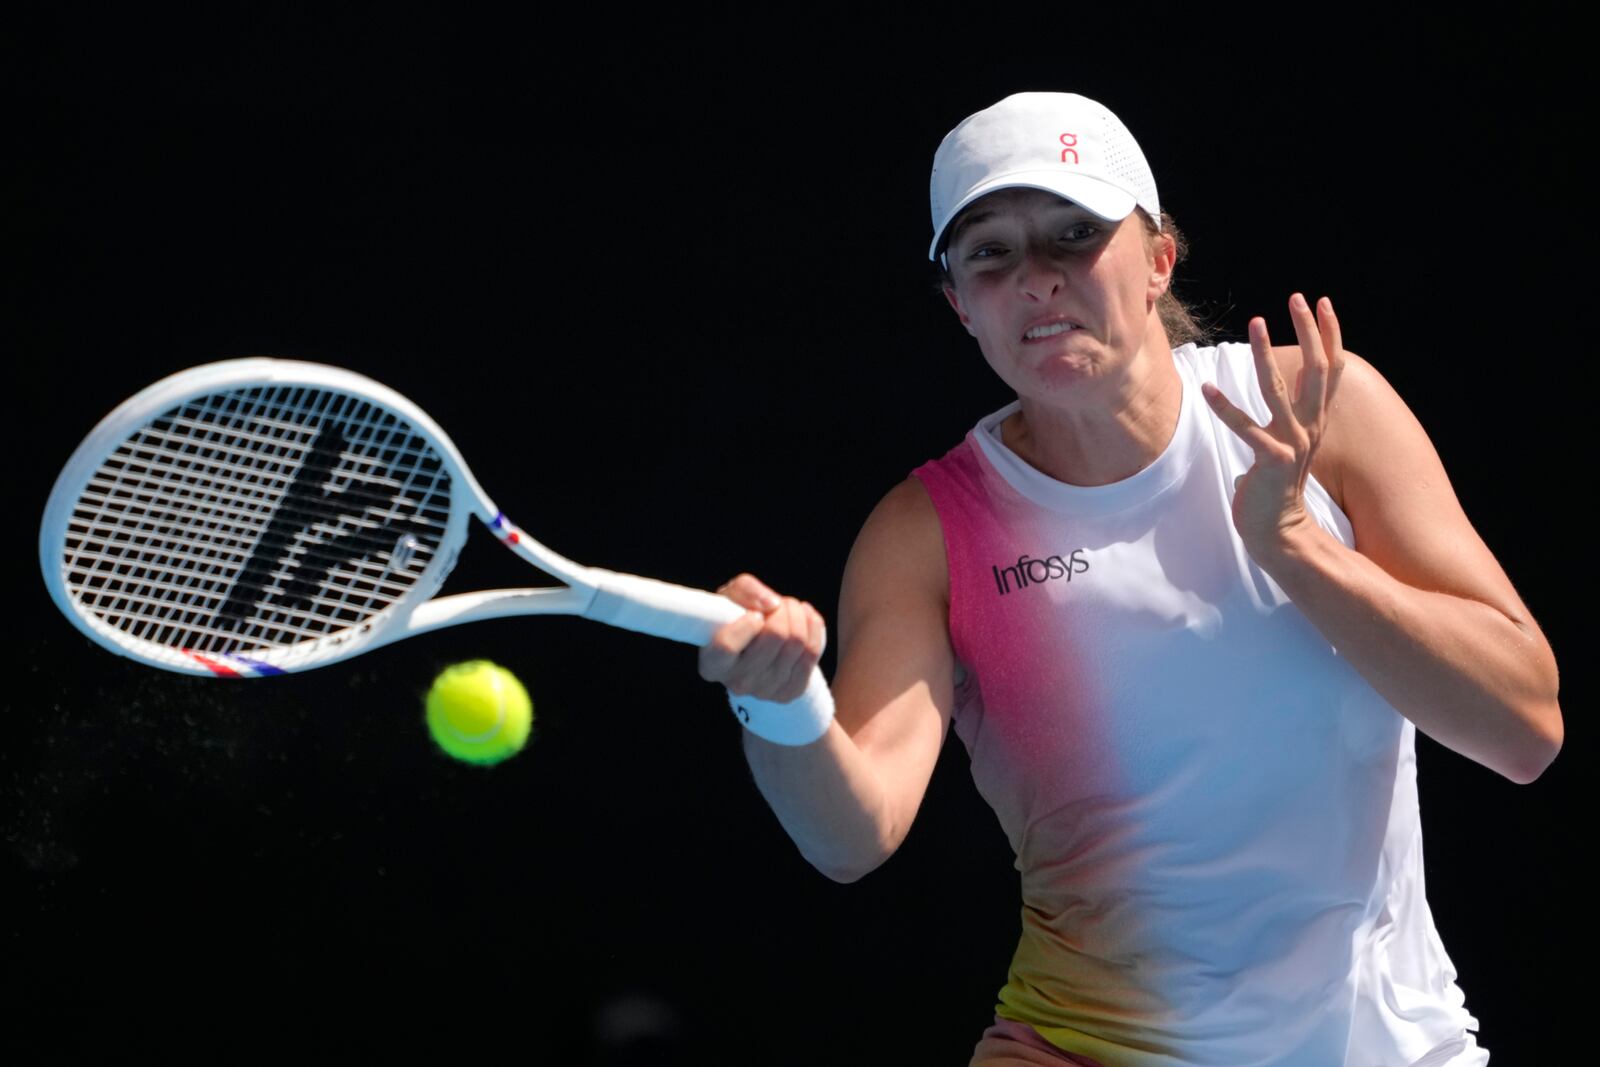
x=659, y=609
x=691, y=616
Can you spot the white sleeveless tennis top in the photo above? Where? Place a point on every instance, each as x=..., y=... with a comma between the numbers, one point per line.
x=1214, y=816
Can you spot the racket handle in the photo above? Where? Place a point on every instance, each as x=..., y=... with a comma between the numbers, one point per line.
x=691, y=616
x=659, y=609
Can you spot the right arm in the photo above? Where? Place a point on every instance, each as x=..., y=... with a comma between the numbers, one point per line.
x=848, y=798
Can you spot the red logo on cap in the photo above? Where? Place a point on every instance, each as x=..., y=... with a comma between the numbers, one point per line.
x=1069, y=139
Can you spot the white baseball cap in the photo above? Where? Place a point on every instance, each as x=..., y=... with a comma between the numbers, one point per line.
x=1061, y=143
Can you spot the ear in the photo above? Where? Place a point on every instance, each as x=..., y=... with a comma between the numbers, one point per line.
x=955, y=305
x=1164, y=257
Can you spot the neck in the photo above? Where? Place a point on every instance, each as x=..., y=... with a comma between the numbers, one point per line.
x=1107, y=434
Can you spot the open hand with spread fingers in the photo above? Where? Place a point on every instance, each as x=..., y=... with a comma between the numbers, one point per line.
x=1268, y=499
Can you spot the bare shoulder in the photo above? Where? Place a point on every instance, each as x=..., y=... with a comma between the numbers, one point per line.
x=907, y=503
x=894, y=684
x=1365, y=413
x=1400, y=501
x=899, y=555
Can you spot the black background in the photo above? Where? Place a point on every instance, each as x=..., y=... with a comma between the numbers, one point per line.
x=664, y=285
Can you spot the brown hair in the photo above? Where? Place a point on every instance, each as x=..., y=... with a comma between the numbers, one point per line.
x=1177, y=317
x=1179, y=320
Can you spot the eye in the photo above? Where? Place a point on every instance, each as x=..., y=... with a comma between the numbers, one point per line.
x=988, y=250
x=1080, y=231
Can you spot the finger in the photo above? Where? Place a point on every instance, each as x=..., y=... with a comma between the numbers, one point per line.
x=1311, y=399
x=1273, y=391
x=1241, y=424
x=796, y=657
x=751, y=672
x=719, y=655
x=815, y=642
x=768, y=665
x=817, y=631
x=1332, y=344
x=751, y=593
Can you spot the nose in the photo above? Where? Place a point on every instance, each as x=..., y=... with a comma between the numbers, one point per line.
x=1040, y=275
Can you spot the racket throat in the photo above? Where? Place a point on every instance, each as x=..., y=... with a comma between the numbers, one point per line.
x=494, y=604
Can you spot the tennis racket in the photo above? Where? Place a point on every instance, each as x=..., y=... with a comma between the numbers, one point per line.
x=261, y=516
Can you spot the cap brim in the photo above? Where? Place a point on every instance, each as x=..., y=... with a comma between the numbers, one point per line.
x=1094, y=196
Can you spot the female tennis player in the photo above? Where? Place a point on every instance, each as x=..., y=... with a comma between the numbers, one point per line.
x=1186, y=607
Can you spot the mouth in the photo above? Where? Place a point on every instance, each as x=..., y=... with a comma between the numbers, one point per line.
x=1049, y=329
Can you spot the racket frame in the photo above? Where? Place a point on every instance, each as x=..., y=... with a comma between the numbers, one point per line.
x=415, y=611
x=627, y=601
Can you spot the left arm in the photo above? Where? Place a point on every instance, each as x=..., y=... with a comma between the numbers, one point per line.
x=1421, y=609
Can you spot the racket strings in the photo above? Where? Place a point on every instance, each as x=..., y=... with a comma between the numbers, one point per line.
x=257, y=518
x=179, y=594
x=185, y=474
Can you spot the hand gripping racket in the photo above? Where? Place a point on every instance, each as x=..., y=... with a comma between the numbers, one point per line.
x=262, y=516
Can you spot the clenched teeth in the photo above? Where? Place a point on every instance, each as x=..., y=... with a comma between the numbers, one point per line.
x=1048, y=331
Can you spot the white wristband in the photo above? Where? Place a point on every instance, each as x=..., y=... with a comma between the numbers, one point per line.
x=799, y=722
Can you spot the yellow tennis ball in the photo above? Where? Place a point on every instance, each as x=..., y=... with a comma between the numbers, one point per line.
x=479, y=712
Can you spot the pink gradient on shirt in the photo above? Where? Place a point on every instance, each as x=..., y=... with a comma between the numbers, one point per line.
x=1018, y=646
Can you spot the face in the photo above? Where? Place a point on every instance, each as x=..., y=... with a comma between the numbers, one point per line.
x=1056, y=297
